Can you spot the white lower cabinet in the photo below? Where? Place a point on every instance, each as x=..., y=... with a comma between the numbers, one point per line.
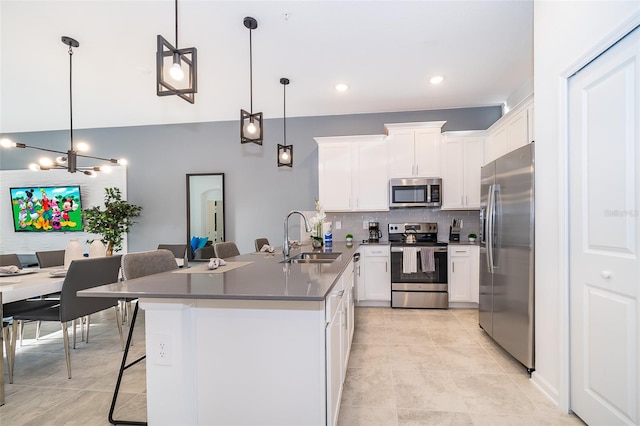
x=374, y=283
x=464, y=275
x=339, y=333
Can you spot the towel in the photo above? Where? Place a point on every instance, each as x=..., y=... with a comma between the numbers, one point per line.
x=409, y=260
x=214, y=262
x=267, y=248
x=427, y=261
x=9, y=269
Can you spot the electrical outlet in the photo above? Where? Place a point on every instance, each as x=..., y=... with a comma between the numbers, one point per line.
x=338, y=224
x=163, y=349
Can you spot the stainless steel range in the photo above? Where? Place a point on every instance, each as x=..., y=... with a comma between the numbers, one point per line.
x=418, y=266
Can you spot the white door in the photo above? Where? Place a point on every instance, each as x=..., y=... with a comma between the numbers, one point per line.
x=604, y=187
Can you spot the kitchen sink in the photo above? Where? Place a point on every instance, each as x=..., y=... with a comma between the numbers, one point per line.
x=313, y=257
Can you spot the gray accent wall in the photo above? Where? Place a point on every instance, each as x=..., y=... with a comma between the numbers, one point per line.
x=258, y=194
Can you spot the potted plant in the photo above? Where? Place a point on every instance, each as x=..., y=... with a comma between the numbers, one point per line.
x=349, y=238
x=112, y=222
x=472, y=237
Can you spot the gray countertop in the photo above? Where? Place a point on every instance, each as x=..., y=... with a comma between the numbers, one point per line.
x=254, y=276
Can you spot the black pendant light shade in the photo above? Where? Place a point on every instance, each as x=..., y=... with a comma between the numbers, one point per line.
x=251, y=129
x=176, y=69
x=285, y=152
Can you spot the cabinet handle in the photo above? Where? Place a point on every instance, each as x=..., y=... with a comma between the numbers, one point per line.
x=453, y=267
x=466, y=200
x=385, y=266
x=462, y=200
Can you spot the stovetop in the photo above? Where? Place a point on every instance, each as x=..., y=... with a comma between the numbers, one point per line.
x=426, y=234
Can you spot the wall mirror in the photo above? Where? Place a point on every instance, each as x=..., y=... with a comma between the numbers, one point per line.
x=205, y=213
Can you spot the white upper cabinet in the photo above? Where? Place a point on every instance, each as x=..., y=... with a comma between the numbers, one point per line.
x=413, y=149
x=352, y=173
x=462, y=159
x=513, y=130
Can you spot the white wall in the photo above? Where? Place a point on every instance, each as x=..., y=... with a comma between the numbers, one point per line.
x=565, y=34
x=91, y=193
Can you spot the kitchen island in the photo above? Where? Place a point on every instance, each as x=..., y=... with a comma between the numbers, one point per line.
x=255, y=342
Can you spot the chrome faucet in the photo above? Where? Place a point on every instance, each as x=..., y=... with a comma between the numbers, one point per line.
x=286, y=247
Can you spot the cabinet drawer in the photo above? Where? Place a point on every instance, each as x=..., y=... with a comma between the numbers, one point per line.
x=377, y=250
x=459, y=251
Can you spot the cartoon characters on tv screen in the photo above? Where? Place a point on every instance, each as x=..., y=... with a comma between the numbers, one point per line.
x=47, y=209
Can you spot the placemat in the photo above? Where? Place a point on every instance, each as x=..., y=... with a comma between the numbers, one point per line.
x=204, y=268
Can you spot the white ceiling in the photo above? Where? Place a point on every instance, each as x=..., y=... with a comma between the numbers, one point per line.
x=386, y=51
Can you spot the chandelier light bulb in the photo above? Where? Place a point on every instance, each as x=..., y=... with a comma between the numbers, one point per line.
x=34, y=167
x=106, y=169
x=45, y=162
x=284, y=156
x=7, y=143
x=437, y=79
x=61, y=160
x=82, y=147
x=123, y=162
x=341, y=87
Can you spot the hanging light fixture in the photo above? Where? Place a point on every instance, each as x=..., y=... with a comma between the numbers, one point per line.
x=250, y=123
x=67, y=160
x=285, y=152
x=179, y=59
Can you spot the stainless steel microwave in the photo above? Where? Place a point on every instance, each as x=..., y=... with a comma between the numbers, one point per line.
x=415, y=192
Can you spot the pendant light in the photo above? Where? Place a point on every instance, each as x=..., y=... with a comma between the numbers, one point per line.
x=250, y=123
x=285, y=152
x=179, y=60
x=67, y=160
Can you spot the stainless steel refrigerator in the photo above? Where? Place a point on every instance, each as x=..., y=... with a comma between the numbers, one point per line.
x=506, y=253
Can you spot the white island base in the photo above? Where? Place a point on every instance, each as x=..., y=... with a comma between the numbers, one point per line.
x=237, y=362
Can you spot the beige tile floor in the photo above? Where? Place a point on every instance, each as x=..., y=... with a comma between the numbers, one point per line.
x=406, y=367
x=436, y=367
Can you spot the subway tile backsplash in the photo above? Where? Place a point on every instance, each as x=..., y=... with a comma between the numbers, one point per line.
x=352, y=223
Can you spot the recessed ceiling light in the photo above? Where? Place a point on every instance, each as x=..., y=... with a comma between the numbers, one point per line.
x=341, y=87
x=436, y=79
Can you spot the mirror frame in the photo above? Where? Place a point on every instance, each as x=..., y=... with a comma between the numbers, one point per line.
x=189, y=207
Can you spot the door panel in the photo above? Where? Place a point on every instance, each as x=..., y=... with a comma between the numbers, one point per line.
x=604, y=191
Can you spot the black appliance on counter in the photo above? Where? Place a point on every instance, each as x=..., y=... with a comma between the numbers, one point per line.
x=418, y=266
x=374, y=232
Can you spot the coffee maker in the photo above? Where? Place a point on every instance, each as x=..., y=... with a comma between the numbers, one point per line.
x=374, y=232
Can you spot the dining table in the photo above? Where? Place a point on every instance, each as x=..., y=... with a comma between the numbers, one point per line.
x=25, y=284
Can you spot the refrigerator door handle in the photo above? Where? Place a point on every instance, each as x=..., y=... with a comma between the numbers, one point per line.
x=489, y=236
x=496, y=238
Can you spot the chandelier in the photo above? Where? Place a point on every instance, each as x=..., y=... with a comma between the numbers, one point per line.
x=67, y=160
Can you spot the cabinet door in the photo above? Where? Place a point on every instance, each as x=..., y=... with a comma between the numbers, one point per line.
x=334, y=176
x=370, y=176
x=377, y=281
x=400, y=154
x=517, y=131
x=497, y=145
x=333, y=365
x=427, y=152
x=452, y=174
x=474, y=273
x=473, y=157
x=459, y=274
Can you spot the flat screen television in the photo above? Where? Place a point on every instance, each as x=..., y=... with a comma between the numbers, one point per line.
x=46, y=208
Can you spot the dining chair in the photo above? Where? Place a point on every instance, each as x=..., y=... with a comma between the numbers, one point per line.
x=260, y=242
x=47, y=259
x=137, y=265
x=10, y=259
x=226, y=249
x=179, y=251
x=82, y=274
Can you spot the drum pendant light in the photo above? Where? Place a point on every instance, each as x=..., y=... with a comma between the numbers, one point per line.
x=285, y=152
x=171, y=63
x=250, y=123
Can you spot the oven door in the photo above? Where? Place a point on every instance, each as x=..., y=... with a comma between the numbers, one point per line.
x=420, y=280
